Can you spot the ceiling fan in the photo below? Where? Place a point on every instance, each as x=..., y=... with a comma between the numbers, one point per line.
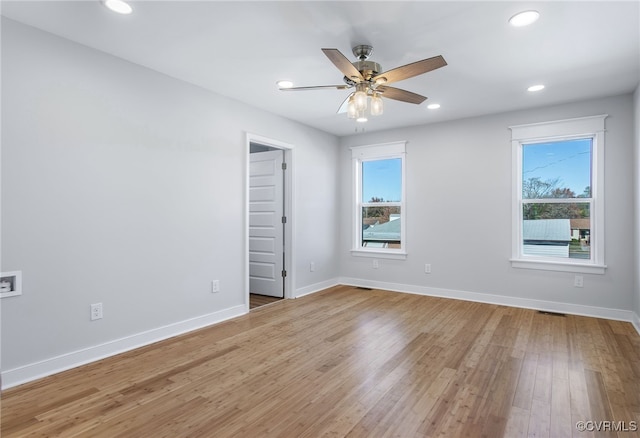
x=370, y=83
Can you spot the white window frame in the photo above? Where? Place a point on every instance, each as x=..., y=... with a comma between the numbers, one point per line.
x=592, y=127
x=360, y=154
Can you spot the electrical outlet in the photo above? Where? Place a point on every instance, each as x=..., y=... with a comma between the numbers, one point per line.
x=375, y=264
x=96, y=311
x=312, y=267
x=427, y=268
x=578, y=281
x=215, y=286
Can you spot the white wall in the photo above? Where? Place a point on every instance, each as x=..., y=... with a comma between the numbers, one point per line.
x=124, y=186
x=459, y=214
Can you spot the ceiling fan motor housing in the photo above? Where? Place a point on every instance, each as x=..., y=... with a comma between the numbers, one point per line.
x=368, y=69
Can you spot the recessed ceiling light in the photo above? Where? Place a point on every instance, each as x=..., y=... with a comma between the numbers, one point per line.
x=119, y=6
x=524, y=18
x=284, y=84
x=361, y=119
x=536, y=87
x=433, y=106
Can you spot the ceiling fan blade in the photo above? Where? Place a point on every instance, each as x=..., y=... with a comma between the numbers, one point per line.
x=401, y=95
x=343, y=106
x=343, y=64
x=410, y=70
x=316, y=87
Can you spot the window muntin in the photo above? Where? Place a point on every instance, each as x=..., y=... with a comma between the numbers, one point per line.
x=379, y=226
x=558, y=209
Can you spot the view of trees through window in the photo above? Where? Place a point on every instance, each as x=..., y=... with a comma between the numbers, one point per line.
x=556, y=198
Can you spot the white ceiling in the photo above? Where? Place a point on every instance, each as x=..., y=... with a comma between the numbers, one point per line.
x=240, y=49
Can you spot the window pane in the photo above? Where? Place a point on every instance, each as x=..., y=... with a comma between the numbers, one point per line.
x=557, y=230
x=559, y=169
x=382, y=180
x=381, y=227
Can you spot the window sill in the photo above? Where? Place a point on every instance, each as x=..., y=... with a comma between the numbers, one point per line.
x=558, y=266
x=395, y=255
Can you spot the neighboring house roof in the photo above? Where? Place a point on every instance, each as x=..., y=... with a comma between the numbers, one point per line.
x=546, y=230
x=580, y=224
x=389, y=231
x=370, y=220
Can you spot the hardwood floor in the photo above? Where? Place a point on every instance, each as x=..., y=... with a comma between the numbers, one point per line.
x=356, y=363
x=256, y=300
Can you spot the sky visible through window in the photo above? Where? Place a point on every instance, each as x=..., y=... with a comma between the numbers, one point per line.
x=570, y=161
x=382, y=179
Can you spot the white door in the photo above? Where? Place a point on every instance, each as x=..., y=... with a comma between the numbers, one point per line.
x=266, y=227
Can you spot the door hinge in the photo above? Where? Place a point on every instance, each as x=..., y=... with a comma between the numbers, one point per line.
x=284, y=273
x=284, y=219
x=284, y=166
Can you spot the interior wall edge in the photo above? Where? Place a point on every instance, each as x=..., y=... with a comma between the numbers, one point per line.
x=67, y=361
x=316, y=287
x=636, y=322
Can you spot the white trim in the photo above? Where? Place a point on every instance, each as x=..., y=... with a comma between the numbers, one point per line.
x=635, y=320
x=289, y=209
x=374, y=152
x=63, y=362
x=550, y=265
x=47, y=367
x=378, y=254
x=378, y=151
x=558, y=128
x=502, y=300
x=582, y=127
x=316, y=287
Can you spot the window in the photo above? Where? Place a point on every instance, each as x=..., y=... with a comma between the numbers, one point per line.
x=557, y=195
x=379, y=224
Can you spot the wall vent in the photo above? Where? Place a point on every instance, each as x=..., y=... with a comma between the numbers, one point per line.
x=544, y=312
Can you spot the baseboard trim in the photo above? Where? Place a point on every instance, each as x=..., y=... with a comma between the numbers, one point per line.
x=316, y=287
x=526, y=303
x=636, y=322
x=47, y=367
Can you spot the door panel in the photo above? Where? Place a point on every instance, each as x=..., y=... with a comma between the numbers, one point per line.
x=266, y=233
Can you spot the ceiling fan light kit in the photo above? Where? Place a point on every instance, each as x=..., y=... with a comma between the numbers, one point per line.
x=376, y=104
x=360, y=97
x=370, y=84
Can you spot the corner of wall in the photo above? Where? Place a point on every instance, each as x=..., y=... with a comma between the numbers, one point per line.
x=316, y=287
x=479, y=297
x=34, y=371
x=636, y=210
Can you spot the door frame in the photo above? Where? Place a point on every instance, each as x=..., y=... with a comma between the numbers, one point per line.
x=289, y=255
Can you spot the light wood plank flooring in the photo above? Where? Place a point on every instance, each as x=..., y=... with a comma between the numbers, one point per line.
x=356, y=363
x=256, y=300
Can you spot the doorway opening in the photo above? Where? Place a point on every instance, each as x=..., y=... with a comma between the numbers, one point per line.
x=268, y=221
